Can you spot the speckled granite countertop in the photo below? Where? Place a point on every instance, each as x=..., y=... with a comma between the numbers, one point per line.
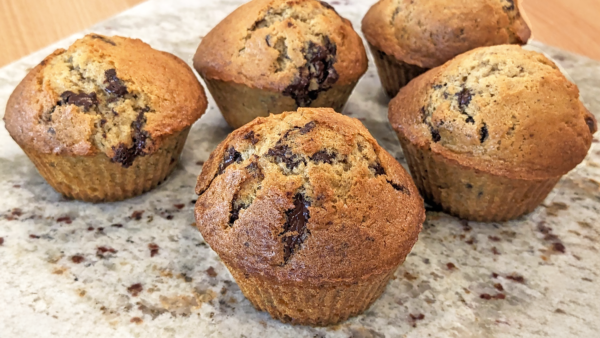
x=139, y=268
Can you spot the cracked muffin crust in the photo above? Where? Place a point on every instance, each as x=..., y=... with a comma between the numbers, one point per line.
x=309, y=213
x=110, y=101
x=488, y=134
x=408, y=37
x=291, y=54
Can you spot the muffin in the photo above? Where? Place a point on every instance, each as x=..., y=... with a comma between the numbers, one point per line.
x=489, y=134
x=309, y=214
x=106, y=119
x=408, y=38
x=271, y=56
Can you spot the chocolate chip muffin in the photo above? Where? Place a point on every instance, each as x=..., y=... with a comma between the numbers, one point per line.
x=271, y=56
x=489, y=134
x=309, y=214
x=105, y=119
x=408, y=38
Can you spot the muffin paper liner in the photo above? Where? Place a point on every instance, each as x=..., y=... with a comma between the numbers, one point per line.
x=241, y=104
x=473, y=194
x=394, y=74
x=97, y=179
x=310, y=305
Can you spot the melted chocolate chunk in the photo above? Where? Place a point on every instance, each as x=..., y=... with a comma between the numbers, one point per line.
x=294, y=230
x=250, y=136
x=435, y=134
x=283, y=154
x=399, y=187
x=235, y=211
x=81, y=100
x=470, y=120
x=114, y=85
x=591, y=124
x=464, y=98
x=318, y=71
x=483, y=133
x=323, y=156
x=377, y=169
x=308, y=127
x=107, y=40
x=255, y=171
x=231, y=156
x=125, y=155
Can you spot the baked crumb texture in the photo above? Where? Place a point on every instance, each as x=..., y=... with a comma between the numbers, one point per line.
x=309, y=199
x=492, y=130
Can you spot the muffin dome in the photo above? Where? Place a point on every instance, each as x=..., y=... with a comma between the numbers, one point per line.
x=110, y=95
x=427, y=33
x=307, y=197
x=501, y=109
x=299, y=48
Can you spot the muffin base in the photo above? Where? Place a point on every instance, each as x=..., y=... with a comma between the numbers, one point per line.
x=473, y=194
x=98, y=179
x=309, y=305
x=393, y=73
x=241, y=104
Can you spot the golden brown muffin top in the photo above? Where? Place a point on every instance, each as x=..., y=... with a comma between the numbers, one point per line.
x=293, y=46
x=498, y=109
x=104, y=94
x=427, y=33
x=307, y=196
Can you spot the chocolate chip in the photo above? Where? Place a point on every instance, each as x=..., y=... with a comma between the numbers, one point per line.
x=102, y=38
x=470, y=120
x=323, y=156
x=283, y=154
x=510, y=6
x=591, y=124
x=51, y=131
x=294, y=230
x=250, y=136
x=377, y=169
x=464, y=98
x=483, y=133
x=125, y=155
x=318, y=69
x=435, y=134
x=81, y=100
x=255, y=171
x=102, y=122
x=231, y=156
x=308, y=127
x=399, y=187
x=115, y=85
x=236, y=207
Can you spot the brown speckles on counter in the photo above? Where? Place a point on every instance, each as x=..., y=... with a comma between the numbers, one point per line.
x=117, y=225
x=77, y=259
x=414, y=318
x=64, y=219
x=451, y=266
x=516, y=278
x=497, y=296
x=105, y=252
x=14, y=214
x=211, y=272
x=179, y=206
x=137, y=215
x=1, y=241
x=495, y=251
x=555, y=207
x=499, y=287
x=135, y=289
x=558, y=247
x=34, y=236
x=153, y=249
x=137, y=320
